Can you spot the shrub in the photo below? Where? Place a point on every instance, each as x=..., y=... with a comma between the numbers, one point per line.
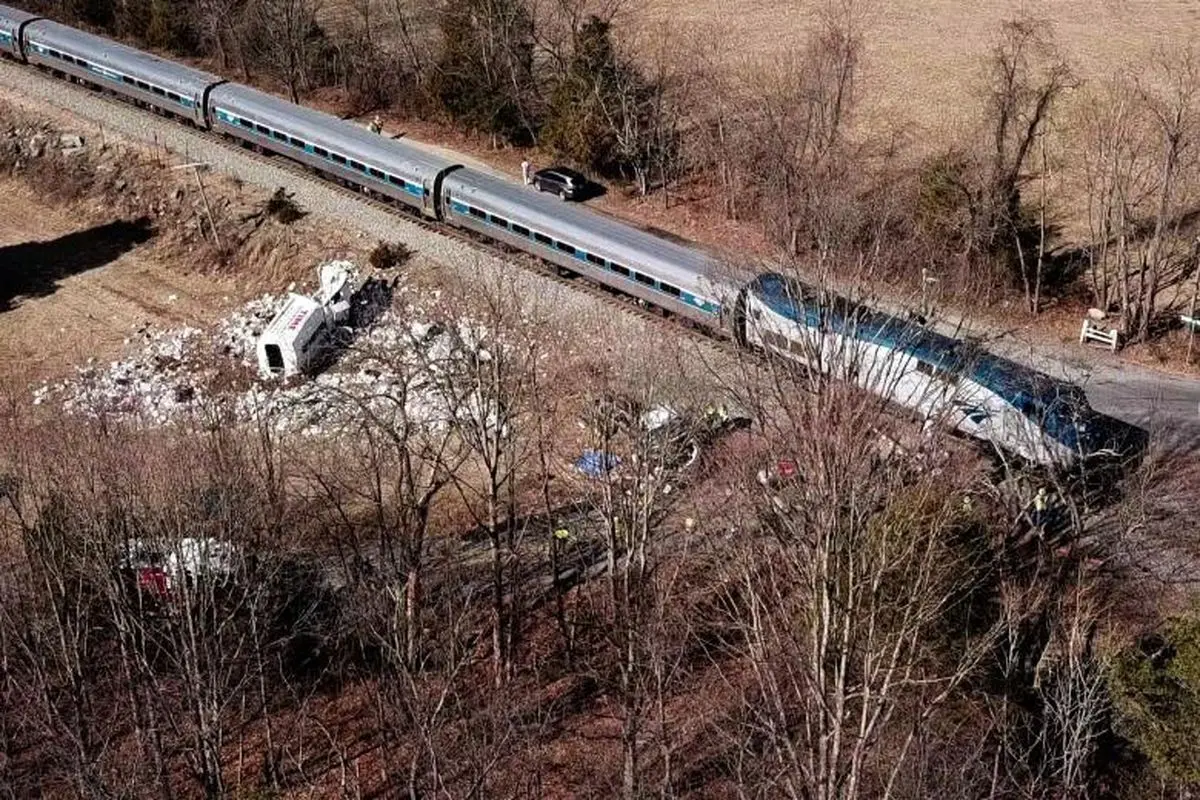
x=389, y=255
x=282, y=207
x=1155, y=689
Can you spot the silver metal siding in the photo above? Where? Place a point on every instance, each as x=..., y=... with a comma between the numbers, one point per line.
x=690, y=270
x=582, y=267
x=345, y=138
x=221, y=126
x=168, y=75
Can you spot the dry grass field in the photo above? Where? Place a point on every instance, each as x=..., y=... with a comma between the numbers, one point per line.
x=923, y=65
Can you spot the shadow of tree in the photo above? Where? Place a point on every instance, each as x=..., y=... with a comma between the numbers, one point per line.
x=33, y=269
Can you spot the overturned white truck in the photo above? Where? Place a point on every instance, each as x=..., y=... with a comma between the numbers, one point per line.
x=298, y=337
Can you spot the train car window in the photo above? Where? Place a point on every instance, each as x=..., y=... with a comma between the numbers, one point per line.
x=296, y=142
x=520, y=229
x=263, y=129
x=620, y=270
x=475, y=212
x=280, y=136
x=173, y=96
x=595, y=259
x=357, y=165
x=397, y=181
x=501, y=221
x=321, y=151
x=376, y=173
x=566, y=248
x=158, y=91
x=669, y=289
x=145, y=87
x=127, y=80
x=83, y=63
x=338, y=159
x=646, y=279
x=543, y=238
x=245, y=123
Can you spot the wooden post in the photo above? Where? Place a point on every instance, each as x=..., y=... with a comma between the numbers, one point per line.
x=1192, y=310
x=212, y=223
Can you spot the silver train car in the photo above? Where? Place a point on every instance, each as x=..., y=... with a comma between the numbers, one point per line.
x=678, y=279
x=163, y=85
x=12, y=21
x=333, y=146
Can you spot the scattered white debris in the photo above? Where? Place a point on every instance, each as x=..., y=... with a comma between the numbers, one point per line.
x=401, y=362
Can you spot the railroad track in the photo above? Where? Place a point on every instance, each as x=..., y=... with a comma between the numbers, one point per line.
x=608, y=297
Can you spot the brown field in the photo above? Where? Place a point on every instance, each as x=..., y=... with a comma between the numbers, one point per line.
x=923, y=58
x=99, y=294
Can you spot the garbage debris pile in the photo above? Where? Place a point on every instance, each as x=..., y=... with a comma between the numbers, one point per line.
x=667, y=437
x=391, y=359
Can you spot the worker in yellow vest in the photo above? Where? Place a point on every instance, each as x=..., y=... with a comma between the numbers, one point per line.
x=1041, y=502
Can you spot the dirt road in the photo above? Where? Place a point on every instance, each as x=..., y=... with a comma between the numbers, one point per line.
x=74, y=290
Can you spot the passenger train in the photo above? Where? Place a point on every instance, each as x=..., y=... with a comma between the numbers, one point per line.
x=1021, y=411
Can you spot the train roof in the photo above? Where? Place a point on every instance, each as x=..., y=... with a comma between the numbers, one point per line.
x=11, y=18
x=337, y=135
x=685, y=267
x=1015, y=382
x=129, y=61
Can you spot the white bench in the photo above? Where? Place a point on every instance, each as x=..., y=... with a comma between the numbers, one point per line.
x=1091, y=332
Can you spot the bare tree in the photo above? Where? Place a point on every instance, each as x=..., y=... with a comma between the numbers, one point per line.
x=490, y=385
x=1027, y=76
x=633, y=488
x=804, y=104
x=283, y=40
x=847, y=568
x=1142, y=168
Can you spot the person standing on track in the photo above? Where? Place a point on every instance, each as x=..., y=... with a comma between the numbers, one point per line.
x=376, y=125
x=525, y=172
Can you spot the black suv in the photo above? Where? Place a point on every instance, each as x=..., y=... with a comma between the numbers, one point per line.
x=566, y=183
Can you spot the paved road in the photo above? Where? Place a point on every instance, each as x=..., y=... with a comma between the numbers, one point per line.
x=1132, y=393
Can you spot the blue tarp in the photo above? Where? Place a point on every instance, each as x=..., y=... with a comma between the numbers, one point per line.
x=595, y=463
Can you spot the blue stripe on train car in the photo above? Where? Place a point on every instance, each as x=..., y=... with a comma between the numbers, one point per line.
x=704, y=305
